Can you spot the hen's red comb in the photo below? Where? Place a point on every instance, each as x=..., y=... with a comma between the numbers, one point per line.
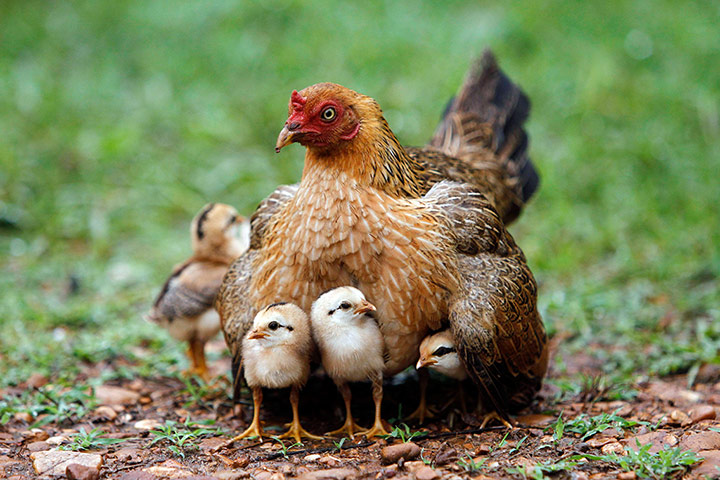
x=297, y=100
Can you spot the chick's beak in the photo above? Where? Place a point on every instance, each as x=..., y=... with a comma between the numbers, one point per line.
x=365, y=307
x=257, y=335
x=284, y=139
x=425, y=362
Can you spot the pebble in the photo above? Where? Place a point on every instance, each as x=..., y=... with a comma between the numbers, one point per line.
x=76, y=471
x=702, y=412
x=426, y=473
x=147, y=424
x=104, y=412
x=37, y=380
x=393, y=453
x=23, y=417
x=231, y=474
x=169, y=469
x=701, y=441
x=55, y=462
x=329, y=460
x=109, y=395
x=329, y=474
x=312, y=457
x=37, y=446
x=58, y=440
x=614, y=447
x=626, y=476
x=709, y=466
x=262, y=475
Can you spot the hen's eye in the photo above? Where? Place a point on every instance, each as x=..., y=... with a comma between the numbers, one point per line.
x=273, y=325
x=328, y=115
x=345, y=305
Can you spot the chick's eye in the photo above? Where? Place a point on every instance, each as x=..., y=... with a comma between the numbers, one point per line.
x=328, y=115
x=440, y=351
x=345, y=305
x=273, y=325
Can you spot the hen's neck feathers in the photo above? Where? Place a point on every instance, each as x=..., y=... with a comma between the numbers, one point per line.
x=373, y=158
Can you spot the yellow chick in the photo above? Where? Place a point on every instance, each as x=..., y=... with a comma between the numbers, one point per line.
x=351, y=347
x=184, y=305
x=276, y=354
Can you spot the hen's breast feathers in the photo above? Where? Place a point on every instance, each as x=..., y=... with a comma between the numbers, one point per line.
x=334, y=231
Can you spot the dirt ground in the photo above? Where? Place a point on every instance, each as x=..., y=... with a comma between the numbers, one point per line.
x=661, y=412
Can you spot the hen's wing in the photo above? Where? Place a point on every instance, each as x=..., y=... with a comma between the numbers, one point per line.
x=481, y=140
x=190, y=290
x=236, y=312
x=493, y=314
x=233, y=301
x=498, y=330
x=265, y=211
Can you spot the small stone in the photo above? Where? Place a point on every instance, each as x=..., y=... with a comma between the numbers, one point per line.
x=579, y=476
x=702, y=412
x=535, y=420
x=58, y=440
x=37, y=446
x=104, y=412
x=36, y=435
x=679, y=418
x=147, y=424
x=393, y=453
x=330, y=474
x=75, y=471
x=483, y=449
x=262, y=475
x=54, y=462
x=109, y=395
x=613, y=447
x=426, y=473
x=312, y=457
x=231, y=474
x=23, y=417
x=37, y=380
x=209, y=445
x=445, y=455
x=329, y=460
x=626, y=476
x=701, y=441
x=277, y=476
x=709, y=467
x=169, y=469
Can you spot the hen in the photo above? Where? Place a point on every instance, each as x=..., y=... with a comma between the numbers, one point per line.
x=373, y=214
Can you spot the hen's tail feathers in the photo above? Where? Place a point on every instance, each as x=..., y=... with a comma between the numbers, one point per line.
x=489, y=113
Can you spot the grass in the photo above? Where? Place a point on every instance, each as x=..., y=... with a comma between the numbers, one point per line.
x=121, y=120
x=404, y=433
x=181, y=438
x=91, y=440
x=666, y=463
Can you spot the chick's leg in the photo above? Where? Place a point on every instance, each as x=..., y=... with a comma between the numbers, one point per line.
x=423, y=411
x=196, y=354
x=377, y=428
x=296, y=430
x=349, y=427
x=255, y=428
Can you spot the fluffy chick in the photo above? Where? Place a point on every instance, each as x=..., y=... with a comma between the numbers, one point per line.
x=438, y=353
x=351, y=347
x=276, y=354
x=184, y=305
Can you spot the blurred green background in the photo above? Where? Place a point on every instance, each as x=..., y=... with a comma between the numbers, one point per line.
x=119, y=120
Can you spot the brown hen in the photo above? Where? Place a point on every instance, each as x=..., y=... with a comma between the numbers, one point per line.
x=371, y=214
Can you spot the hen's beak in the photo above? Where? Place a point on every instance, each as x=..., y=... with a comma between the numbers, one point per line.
x=365, y=307
x=425, y=362
x=257, y=335
x=285, y=138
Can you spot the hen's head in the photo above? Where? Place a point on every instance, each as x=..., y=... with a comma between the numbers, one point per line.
x=325, y=116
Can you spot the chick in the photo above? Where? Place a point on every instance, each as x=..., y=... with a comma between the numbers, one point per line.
x=351, y=347
x=438, y=353
x=184, y=306
x=276, y=354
